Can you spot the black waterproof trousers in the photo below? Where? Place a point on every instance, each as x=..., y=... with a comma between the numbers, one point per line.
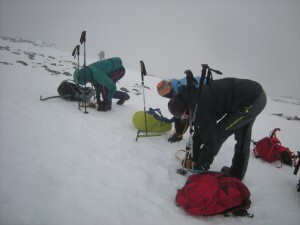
x=240, y=124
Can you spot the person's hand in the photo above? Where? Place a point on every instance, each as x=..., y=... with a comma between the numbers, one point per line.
x=176, y=137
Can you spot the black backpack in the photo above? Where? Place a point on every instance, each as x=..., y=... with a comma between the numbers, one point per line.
x=69, y=90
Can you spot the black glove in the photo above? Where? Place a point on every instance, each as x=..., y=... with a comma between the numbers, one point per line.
x=176, y=137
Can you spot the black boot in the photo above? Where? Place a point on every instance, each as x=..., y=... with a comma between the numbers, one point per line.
x=123, y=99
x=104, y=106
x=239, y=166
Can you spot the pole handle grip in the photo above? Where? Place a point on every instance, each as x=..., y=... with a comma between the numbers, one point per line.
x=143, y=70
x=82, y=37
x=76, y=51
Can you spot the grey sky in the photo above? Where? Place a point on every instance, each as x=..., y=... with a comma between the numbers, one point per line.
x=255, y=39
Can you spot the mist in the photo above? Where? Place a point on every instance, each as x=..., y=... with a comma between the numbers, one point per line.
x=257, y=40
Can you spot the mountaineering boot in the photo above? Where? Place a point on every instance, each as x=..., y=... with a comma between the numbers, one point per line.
x=121, y=101
x=104, y=106
x=225, y=169
x=176, y=137
x=201, y=166
x=124, y=98
x=239, y=166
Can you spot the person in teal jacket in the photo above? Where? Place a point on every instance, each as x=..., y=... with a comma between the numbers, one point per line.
x=103, y=75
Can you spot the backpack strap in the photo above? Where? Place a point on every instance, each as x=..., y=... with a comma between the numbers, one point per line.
x=254, y=149
x=240, y=212
x=156, y=113
x=273, y=136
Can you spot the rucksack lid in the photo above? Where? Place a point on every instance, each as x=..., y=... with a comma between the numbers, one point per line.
x=212, y=193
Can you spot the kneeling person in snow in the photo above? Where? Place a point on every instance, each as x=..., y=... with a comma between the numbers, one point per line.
x=228, y=106
x=168, y=89
x=103, y=75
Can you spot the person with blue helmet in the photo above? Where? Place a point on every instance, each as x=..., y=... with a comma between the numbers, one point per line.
x=169, y=89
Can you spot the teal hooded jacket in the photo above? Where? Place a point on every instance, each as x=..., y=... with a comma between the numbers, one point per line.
x=98, y=73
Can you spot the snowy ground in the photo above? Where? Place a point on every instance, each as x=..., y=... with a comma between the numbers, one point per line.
x=59, y=166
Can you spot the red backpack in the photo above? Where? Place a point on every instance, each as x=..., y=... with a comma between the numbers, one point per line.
x=270, y=150
x=213, y=193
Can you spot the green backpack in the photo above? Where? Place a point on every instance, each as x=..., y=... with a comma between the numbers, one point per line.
x=155, y=122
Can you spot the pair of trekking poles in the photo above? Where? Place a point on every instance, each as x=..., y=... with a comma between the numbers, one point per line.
x=76, y=52
x=188, y=162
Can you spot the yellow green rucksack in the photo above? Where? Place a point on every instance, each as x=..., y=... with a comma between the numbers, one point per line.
x=155, y=122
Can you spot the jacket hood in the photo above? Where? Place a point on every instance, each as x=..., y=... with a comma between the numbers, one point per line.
x=116, y=63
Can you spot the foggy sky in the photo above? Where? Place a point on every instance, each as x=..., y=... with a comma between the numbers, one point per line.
x=254, y=39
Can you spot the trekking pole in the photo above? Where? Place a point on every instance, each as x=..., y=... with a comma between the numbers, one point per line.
x=75, y=52
x=205, y=74
x=83, y=40
x=144, y=73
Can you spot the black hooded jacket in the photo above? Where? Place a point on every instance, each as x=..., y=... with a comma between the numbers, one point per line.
x=223, y=96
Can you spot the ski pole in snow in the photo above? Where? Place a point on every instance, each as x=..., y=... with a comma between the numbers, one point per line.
x=83, y=40
x=144, y=73
x=75, y=52
x=206, y=74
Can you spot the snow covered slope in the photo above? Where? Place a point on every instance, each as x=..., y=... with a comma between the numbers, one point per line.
x=59, y=166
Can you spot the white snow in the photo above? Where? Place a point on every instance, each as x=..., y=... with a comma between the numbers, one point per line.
x=59, y=166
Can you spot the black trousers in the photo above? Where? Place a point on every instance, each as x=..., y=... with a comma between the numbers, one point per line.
x=115, y=77
x=239, y=124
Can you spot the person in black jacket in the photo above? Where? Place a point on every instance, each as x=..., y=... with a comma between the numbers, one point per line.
x=227, y=106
